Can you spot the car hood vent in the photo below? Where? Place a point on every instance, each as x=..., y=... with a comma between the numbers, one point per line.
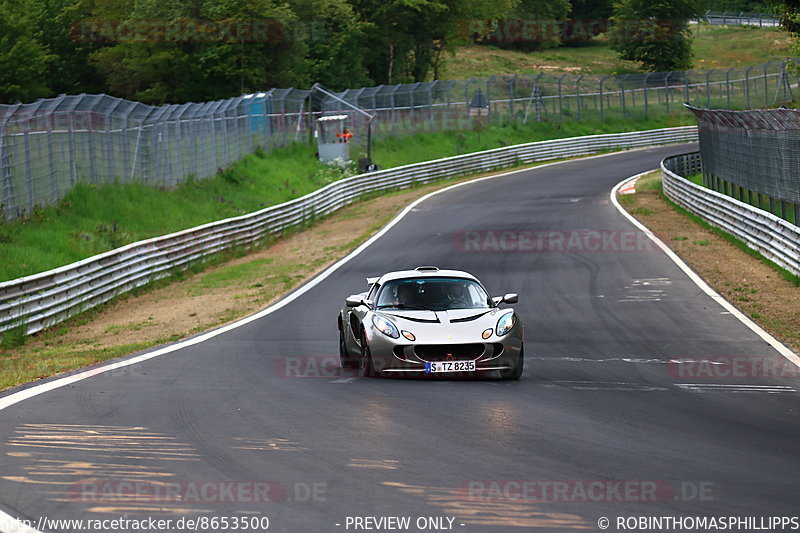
x=427, y=317
x=469, y=318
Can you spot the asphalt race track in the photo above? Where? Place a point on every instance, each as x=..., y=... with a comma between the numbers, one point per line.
x=642, y=397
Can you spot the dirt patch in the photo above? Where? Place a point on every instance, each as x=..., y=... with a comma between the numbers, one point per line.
x=756, y=289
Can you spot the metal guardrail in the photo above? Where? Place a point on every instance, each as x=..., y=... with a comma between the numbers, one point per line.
x=740, y=18
x=45, y=299
x=773, y=237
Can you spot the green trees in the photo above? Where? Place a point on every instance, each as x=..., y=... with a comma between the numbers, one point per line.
x=23, y=61
x=655, y=32
x=751, y=6
x=789, y=13
x=158, y=51
x=193, y=51
x=406, y=39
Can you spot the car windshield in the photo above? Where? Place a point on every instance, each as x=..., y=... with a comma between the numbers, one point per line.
x=433, y=294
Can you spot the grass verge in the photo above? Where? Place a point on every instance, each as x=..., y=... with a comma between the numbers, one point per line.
x=713, y=47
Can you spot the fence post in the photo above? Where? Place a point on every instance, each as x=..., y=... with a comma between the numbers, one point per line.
x=29, y=169
x=622, y=95
x=411, y=105
x=578, y=91
x=686, y=86
x=766, y=85
x=708, y=88
x=512, y=83
x=466, y=103
x=602, y=109
x=5, y=170
x=92, y=151
x=51, y=159
x=394, y=106
x=644, y=86
x=666, y=90
x=489, y=99
x=747, y=85
x=431, y=116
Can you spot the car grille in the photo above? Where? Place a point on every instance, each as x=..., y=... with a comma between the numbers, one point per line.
x=448, y=352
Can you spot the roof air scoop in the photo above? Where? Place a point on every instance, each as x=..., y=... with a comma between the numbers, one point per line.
x=427, y=269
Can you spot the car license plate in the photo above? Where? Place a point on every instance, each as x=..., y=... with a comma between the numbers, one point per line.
x=450, y=366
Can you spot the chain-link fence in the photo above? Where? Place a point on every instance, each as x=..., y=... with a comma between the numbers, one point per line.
x=50, y=145
x=753, y=156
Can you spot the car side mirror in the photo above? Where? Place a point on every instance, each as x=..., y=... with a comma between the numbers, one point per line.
x=354, y=301
x=509, y=298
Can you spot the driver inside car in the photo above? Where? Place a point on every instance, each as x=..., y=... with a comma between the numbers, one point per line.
x=405, y=295
x=457, y=296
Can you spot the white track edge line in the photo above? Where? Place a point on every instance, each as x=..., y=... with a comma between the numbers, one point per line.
x=11, y=399
x=700, y=282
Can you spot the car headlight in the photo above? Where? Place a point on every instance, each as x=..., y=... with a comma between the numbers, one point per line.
x=385, y=327
x=505, y=323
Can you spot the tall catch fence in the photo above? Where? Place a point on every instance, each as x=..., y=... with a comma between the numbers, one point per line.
x=753, y=156
x=49, y=146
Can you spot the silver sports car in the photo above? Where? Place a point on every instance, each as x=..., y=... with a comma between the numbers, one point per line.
x=430, y=321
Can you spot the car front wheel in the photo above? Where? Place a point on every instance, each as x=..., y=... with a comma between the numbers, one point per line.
x=344, y=358
x=367, y=364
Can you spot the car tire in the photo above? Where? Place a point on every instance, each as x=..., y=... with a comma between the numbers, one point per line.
x=367, y=365
x=516, y=372
x=344, y=359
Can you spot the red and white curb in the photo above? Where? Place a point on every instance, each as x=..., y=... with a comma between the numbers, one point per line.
x=629, y=187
